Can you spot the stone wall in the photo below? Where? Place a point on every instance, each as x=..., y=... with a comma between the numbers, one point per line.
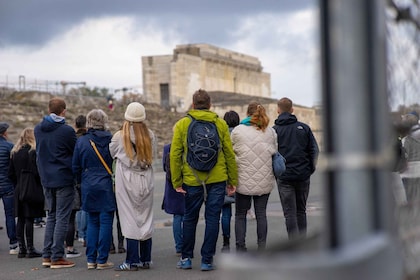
x=195, y=66
x=224, y=101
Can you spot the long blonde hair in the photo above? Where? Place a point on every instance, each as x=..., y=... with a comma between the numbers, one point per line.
x=143, y=141
x=26, y=137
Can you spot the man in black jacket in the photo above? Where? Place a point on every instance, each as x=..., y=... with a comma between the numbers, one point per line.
x=298, y=146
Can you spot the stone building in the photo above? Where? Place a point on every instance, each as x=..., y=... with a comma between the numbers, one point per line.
x=232, y=80
x=171, y=80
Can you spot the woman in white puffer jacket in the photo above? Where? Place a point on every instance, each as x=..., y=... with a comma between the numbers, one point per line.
x=254, y=144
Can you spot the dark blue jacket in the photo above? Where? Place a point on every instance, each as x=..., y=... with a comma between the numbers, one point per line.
x=54, y=148
x=298, y=145
x=173, y=201
x=6, y=186
x=96, y=183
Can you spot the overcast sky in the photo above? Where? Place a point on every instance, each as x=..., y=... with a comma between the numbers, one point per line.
x=102, y=41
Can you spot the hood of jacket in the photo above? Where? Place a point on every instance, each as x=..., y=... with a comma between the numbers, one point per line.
x=204, y=115
x=100, y=137
x=285, y=119
x=49, y=124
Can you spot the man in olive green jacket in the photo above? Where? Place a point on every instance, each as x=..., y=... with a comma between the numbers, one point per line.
x=218, y=181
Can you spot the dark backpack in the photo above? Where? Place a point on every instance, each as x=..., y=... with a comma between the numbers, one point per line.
x=203, y=144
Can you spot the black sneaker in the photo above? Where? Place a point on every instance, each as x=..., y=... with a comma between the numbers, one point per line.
x=144, y=265
x=72, y=254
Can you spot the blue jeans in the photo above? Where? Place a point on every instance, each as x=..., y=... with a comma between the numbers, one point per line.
x=133, y=256
x=81, y=220
x=242, y=205
x=177, y=231
x=99, y=235
x=194, y=199
x=293, y=197
x=59, y=202
x=9, y=213
x=226, y=217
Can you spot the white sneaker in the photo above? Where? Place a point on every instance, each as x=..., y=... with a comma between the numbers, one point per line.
x=81, y=240
x=14, y=251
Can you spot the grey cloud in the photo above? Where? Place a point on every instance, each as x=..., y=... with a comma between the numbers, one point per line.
x=32, y=23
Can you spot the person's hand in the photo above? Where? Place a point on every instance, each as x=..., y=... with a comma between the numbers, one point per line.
x=180, y=190
x=230, y=190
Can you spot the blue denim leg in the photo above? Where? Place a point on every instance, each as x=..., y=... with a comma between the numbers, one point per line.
x=214, y=204
x=146, y=250
x=177, y=231
x=60, y=204
x=81, y=223
x=99, y=235
x=293, y=196
x=92, y=236
x=132, y=251
x=242, y=205
x=226, y=217
x=260, y=207
x=105, y=235
x=194, y=198
x=9, y=212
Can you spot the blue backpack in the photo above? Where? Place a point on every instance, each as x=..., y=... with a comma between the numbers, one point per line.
x=203, y=144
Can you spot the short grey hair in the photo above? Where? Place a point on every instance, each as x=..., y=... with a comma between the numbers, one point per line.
x=97, y=119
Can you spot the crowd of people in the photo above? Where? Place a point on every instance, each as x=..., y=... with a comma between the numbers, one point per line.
x=81, y=177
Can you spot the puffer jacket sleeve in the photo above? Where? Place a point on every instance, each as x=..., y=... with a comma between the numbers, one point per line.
x=176, y=153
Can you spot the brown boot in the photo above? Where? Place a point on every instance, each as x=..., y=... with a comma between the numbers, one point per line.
x=62, y=263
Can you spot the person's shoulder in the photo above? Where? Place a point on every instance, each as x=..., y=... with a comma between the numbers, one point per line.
x=117, y=134
x=305, y=125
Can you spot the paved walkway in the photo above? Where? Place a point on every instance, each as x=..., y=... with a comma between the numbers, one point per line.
x=163, y=253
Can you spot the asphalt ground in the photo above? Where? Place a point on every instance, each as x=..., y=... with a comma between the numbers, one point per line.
x=163, y=252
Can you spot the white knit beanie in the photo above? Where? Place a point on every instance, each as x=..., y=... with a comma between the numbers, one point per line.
x=135, y=112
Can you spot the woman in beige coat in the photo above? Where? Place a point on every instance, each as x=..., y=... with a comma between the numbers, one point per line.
x=132, y=148
x=254, y=144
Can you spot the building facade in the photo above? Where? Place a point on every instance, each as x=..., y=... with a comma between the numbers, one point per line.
x=171, y=80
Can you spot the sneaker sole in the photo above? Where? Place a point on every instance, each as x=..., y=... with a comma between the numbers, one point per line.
x=184, y=267
x=68, y=256
x=62, y=266
x=91, y=266
x=131, y=269
x=207, y=269
x=104, y=267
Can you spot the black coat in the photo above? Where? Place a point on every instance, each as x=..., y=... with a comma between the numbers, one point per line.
x=297, y=145
x=25, y=159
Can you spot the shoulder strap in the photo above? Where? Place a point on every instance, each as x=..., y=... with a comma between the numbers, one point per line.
x=100, y=157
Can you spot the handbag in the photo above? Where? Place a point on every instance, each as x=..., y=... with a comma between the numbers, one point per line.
x=279, y=164
x=30, y=190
